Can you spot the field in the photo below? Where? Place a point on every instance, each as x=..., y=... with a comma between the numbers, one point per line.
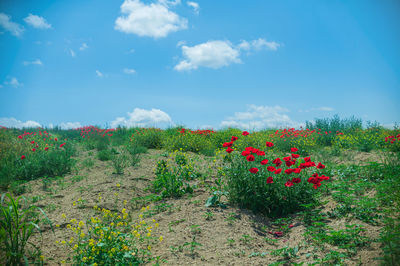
x=328, y=194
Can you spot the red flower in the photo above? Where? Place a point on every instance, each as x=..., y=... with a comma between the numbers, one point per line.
x=277, y=162
x=46, y=148
x=264, y=162
x=320, y=166
x=32, y=142
x=278, y=171
x=278, y=234
x=250, y=158
x=250, y=149
x=20, y=137
x=234, y=138
x=270, y=180
x=55, y=139
x=245, y=133
x=269, y=144
x=271, y=168
x=293, y=149
x=288, y=183
x=253, y=170
x=33, y=149
x=297, y=170
x=295, y=155
x=307, y=159
x=23, y=157
x=288, y=171
x=287, y=158
x=296, y=180
x=61, y=145
x=245, y=153
x=260, y=153
x=229, y=150
x=227, y=144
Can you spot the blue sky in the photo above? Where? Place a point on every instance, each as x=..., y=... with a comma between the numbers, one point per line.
x=249, y=64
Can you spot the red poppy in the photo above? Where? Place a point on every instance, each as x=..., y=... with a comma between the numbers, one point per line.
x=320, y=166
x=297, y=170
x=229, y=150
x=245, y=153
x=23, y=157
x=278, y=171
x=250, y=158
x=55, y=139
x=270, y=180
x=227, y=144
x=288, y=183
x=245, y=133
x=33, y=149
x=277, y=162
x=278, y=234
x=264, y=162
x=287, y=158
x=32, y=142
x=296, y=180
x=253, y=170
x=269, y=144
x=20, y=137
x=250, y=149
x=234, y=138
x=295, y=155
x=61, y=145
x=307, y=159
x=46, y=148
x=271, y=168
x=288, y=171
x=293, y=149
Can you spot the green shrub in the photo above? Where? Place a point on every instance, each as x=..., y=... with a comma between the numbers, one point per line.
x=151, y=138
x=104, y=155
x=17, y=225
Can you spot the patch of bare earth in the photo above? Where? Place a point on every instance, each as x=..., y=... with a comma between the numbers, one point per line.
x=230, y=237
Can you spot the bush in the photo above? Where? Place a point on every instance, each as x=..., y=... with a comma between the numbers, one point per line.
x=151, y=138
x=17, y=225
x=260, y=185
x=111, y=238
x=104, y=155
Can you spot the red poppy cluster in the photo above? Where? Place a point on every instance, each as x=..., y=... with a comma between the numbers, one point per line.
x=250, y=154
x=87, y=131
x=204, y=132
x=294, y=133
x=392, y=139
x=39, y=138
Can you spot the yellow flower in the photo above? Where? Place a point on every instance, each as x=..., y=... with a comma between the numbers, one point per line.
x=125, y=202
x=75, y=246
x=95, y=264
x=149, y=234
x=57, y=225
x=63, y=242
x=118, y=185
x=63, y=215
x=82, y=234
x=81, y=224
x=161, y=238
x=149, y=247
x=123, y=210
x=41, y=257
x=73, y=221
x=156, y=224
x=112, y=250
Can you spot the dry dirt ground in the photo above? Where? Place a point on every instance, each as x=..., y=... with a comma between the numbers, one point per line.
x=230, y=237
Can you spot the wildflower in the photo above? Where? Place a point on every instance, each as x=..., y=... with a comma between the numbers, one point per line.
x=271, y=168
x=293, y=149
x=33, y=149
x=250, y=158
x=161, y=238
x=234, y=138
x=295, y=155
x=278, y=171
x=23, y=157
x=269, y=144
x=46, y=148
x=20, y=137
x=288, y=183
x=245, y=133
x=320, y=166
x=270, y=180
x=245, y=153
x=264, y=162
x=229, y=150
x=118, y=185
x=296, y=180
x=253, y=170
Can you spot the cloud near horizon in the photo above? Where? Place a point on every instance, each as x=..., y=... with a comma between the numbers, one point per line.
x=260, y=117
x=143, y=118
x=11, y=122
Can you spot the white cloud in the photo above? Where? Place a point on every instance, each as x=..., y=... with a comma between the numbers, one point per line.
x=14, y=28
x=129, y=71
x=11, y=122
x=260, y=117
x=73, y=54
x=260, y=44
x=217, y=54
x=321, y=109
x=34, y=62
x=69, y=125
x=212, y=54
x=83, y=47
x=153, y=20
x=13, y=81
x=37, y=22
x=99, y=74
x=195, y=6
x=144, y=118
